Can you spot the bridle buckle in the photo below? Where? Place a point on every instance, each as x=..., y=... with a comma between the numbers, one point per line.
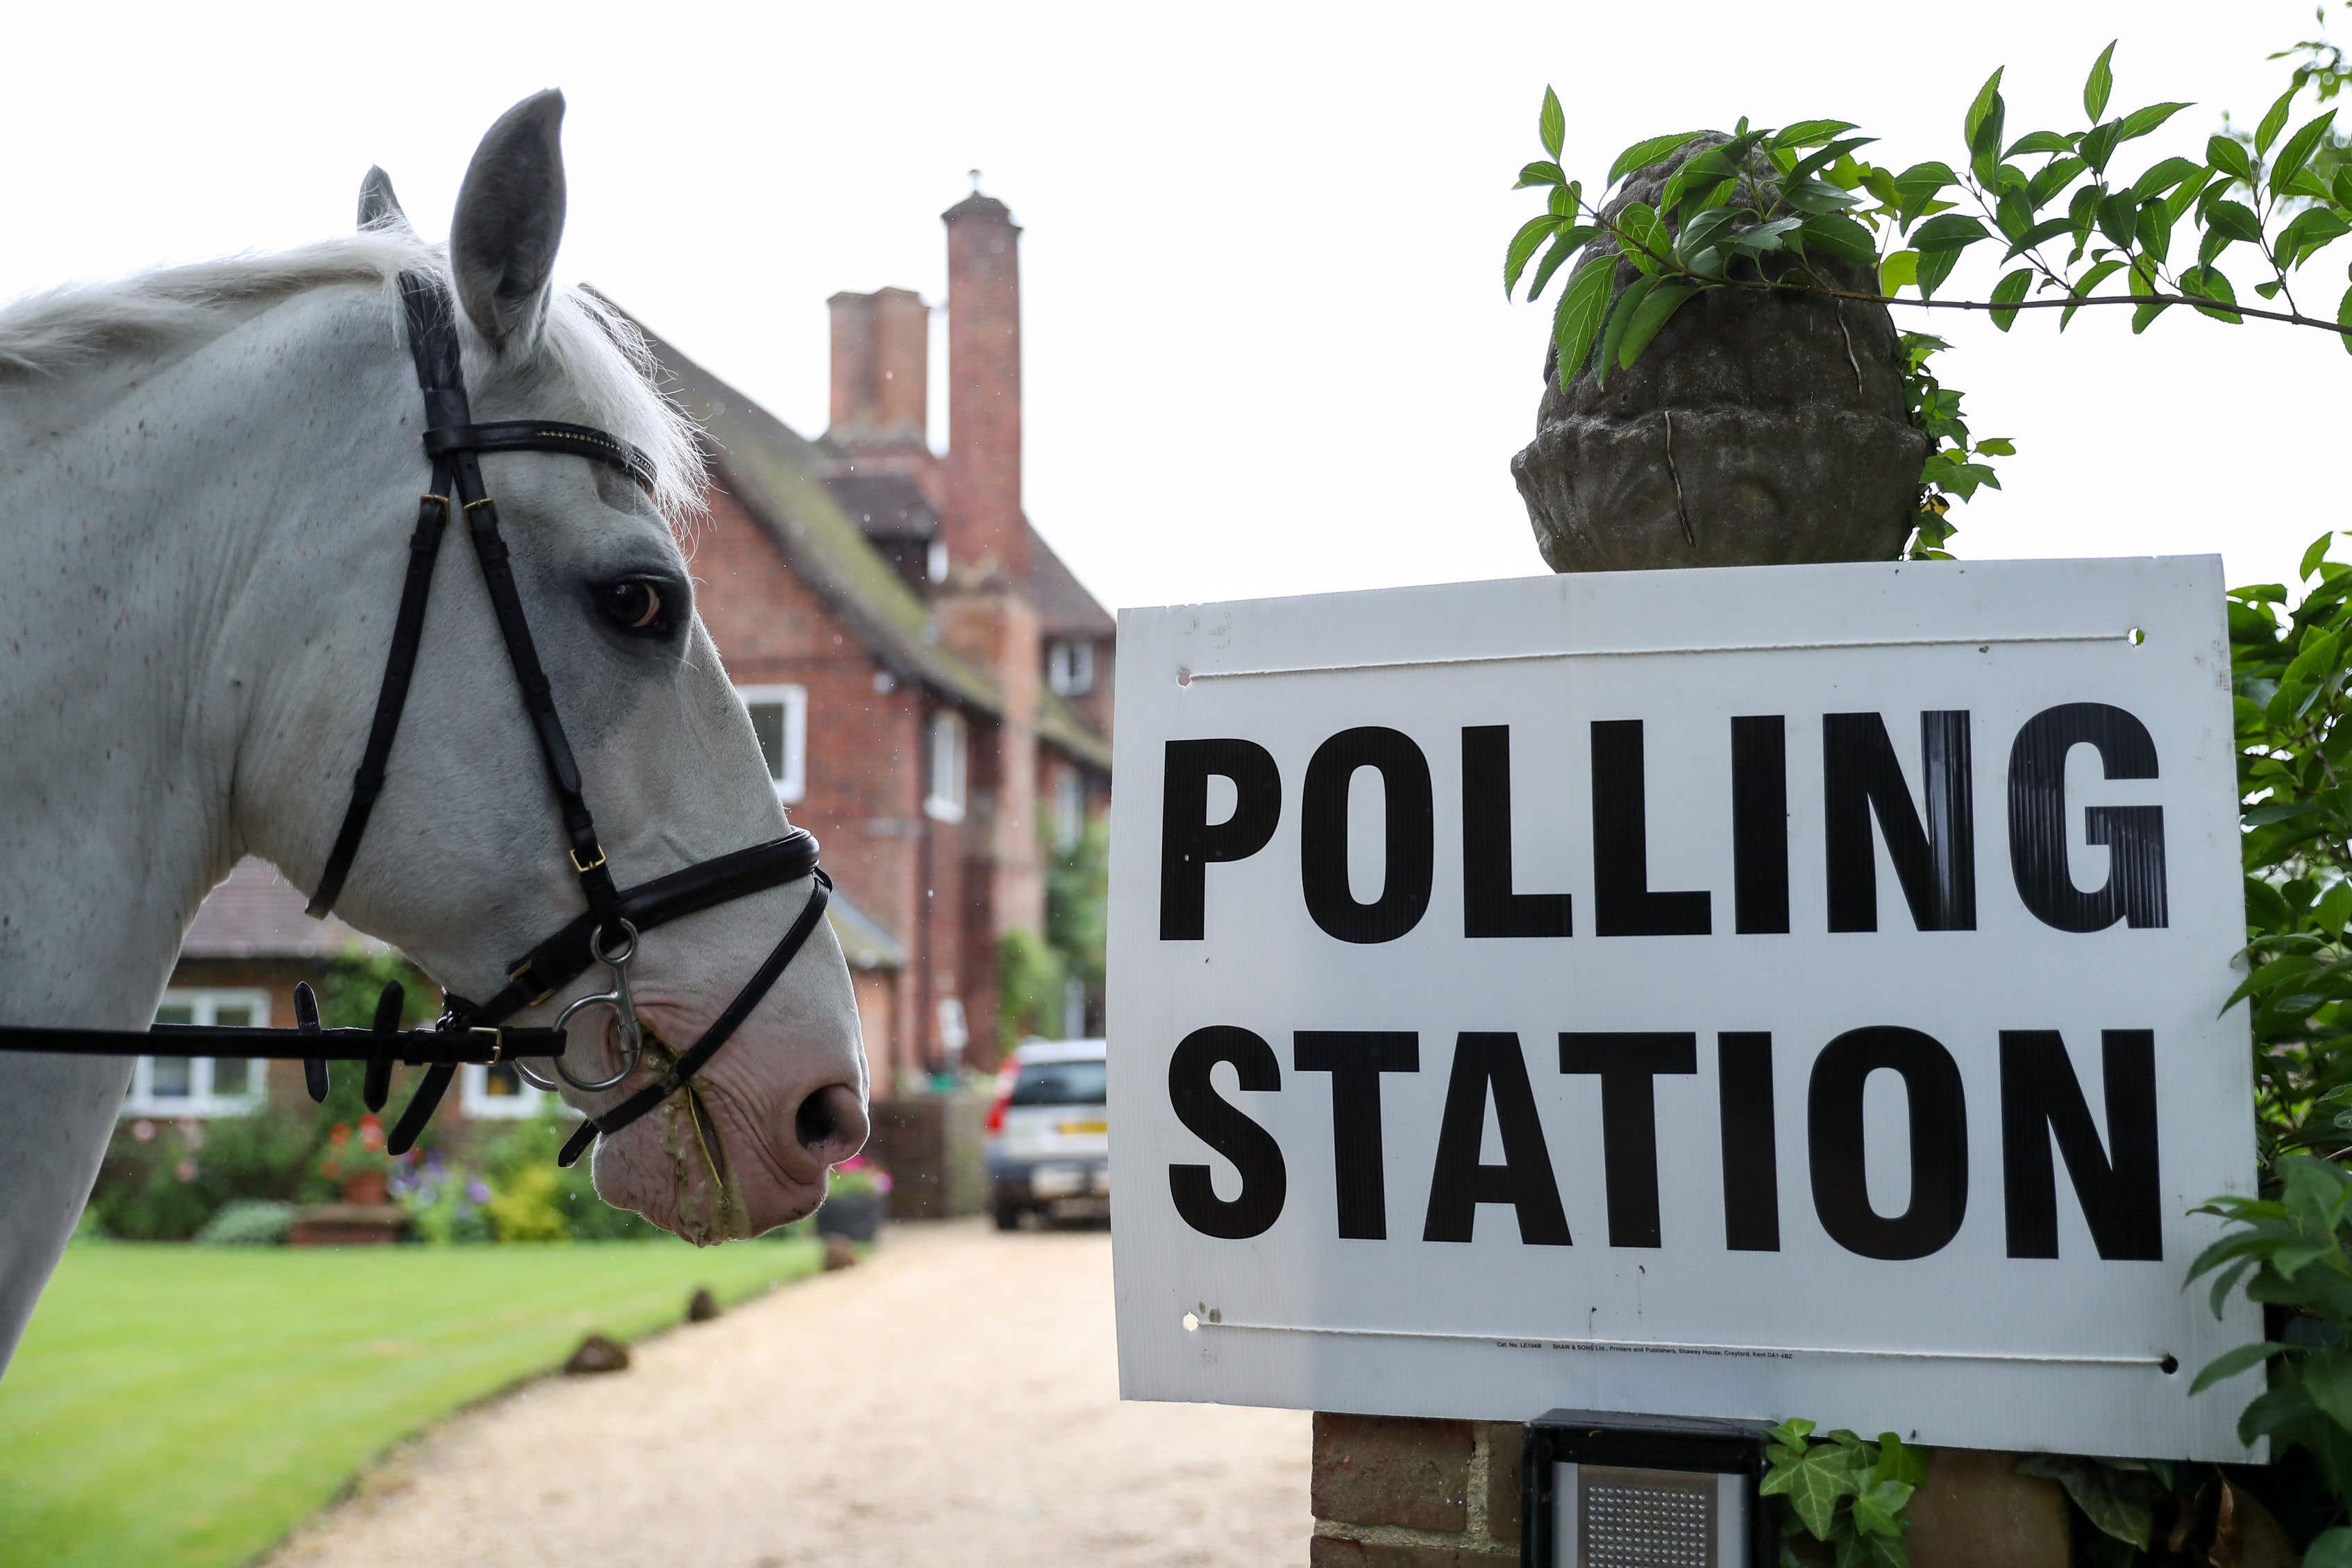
x=591, y=865
x=517, y=973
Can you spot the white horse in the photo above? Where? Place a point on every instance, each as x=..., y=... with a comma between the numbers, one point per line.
x=208, y=479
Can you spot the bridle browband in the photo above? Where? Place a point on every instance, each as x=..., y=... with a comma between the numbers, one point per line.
x=609, y=930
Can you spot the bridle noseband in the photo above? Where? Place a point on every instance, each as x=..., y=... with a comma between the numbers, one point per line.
x=610, y=930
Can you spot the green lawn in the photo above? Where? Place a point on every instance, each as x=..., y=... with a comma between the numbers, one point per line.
x=176, y=1406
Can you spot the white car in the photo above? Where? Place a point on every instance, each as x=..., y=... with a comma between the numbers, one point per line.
x=1049, y=1133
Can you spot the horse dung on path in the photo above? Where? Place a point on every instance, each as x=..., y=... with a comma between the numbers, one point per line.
x=209, y=483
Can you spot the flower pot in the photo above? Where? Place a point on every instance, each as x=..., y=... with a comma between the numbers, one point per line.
x=363, y=1188
x=1758, y=429
x=854, y=1214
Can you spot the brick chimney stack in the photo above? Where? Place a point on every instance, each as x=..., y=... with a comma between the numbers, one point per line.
x=983, y=520
x=881, y=359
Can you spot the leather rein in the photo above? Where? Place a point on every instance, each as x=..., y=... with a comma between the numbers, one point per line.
x=608, y=933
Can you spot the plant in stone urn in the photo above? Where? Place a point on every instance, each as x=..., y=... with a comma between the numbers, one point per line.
x=1758, y=427
x=355, y=1161
x=1725, y=385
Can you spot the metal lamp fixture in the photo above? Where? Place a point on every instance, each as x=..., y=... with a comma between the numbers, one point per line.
x=1604, y=1490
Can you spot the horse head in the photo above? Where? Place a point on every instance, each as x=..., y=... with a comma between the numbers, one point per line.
x=464, y=863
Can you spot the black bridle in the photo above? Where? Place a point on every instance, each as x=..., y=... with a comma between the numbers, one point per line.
x=607, y=933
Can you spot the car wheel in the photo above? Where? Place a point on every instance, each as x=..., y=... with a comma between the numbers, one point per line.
x=1008, y=1217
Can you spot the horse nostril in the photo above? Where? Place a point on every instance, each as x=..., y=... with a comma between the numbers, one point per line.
x=831, y=1124
x=814, y=1122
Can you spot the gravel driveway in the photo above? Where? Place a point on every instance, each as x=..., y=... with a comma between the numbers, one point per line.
x=953, y=1403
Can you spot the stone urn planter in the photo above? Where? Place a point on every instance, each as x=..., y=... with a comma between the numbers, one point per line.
x=856, y=1215
x=1758, y=429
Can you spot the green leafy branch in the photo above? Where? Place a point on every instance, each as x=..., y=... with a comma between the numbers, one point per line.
x=2290, y=1251
x=2290, y=1248
x=1772, y=209
x=1843, y=1492
x=2322, y=67
x=2289, y=678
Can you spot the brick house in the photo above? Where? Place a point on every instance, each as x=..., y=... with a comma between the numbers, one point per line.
x=248, y=946
x=930, y=684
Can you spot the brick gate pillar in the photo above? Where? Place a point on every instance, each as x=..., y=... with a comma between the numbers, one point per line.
x=1757, y=430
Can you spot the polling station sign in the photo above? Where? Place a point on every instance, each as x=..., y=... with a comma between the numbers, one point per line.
x=1787, y=991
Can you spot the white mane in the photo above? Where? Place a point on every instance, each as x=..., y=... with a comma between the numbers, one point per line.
x=593, y=348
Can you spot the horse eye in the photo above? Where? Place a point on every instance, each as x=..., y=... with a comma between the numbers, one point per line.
x=637, y=606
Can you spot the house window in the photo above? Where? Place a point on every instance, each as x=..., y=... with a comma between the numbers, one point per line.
x=201, y=1085
x=1070, y=666
x=945, y=799
x=780, y=719
x=953, y=1033
x=496, y=1090
x=1069, y=809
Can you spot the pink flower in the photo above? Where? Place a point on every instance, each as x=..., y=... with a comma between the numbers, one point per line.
x=371, y=1132
x=143, y=1130
x=186, y=1170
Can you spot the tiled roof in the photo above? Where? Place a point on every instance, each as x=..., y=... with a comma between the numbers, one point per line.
x=774, y=471
x=885, y=506
x=892, y=507
x=1064, y=608
x=864, y=942
x=257, y=913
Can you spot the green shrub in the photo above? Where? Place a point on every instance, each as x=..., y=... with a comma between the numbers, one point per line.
x=160, y=1181
x=532, y=1146
x=444, y=1201
x=1078, y=904
x=526, y=1207
x=1028, y=988
x=248, y=1222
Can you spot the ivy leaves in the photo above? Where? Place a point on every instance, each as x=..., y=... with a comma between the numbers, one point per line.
x=1844, y=1491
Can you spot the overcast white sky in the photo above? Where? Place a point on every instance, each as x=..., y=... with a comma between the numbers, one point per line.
x=1267, y=349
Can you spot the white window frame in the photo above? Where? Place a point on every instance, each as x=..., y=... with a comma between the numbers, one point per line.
x=947, y=765
x=1070, y=666
x=954, y=1033
x=1069, y=808
x=203, y=1006
x=479, y=1103
x=793, y=700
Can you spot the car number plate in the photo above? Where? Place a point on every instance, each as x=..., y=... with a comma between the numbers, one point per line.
x=1056, y=1181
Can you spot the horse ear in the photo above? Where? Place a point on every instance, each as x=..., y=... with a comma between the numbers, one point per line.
x=379, y=208
x=510, y=220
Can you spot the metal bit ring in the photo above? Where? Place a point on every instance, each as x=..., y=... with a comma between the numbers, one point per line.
x=625, y=1011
